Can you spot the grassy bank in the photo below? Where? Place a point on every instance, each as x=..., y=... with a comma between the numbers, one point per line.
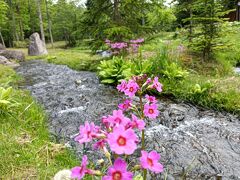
x=26, y=151
x=209, y=84
x=78, y=58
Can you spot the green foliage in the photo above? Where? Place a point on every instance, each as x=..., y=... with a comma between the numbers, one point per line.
x=161, y=19
x=140, y=66
x=121, y=20
x=174, y=71
x=114, y=70
x=3, y=14
x=20, y=44
x=207, y=27
x=77, y=59
x=7, y=102
x=118, y=33
x=138, y=177
x=7, y=76
x=167, y=66
x=66, y=18
x=230, y=56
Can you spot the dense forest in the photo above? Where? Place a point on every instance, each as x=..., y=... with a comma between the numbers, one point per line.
x=119, y=20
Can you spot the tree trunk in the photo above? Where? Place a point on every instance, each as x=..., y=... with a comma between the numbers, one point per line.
x=30, y=16
x=40, y=21
x=49, y=23
x=13, y=23
x=1, y=37
x=191, y=24
x=21, y=33
x=116, y=14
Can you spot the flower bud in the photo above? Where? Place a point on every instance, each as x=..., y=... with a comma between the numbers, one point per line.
x=100, y=161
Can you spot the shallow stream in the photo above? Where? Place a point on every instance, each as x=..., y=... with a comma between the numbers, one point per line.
x=194, y=143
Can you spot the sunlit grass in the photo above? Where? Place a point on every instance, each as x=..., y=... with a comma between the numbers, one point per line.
x=78, y=58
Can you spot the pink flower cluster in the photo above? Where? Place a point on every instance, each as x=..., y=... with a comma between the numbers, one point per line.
x=118, y=47
x=136, y=41
x=117, y=132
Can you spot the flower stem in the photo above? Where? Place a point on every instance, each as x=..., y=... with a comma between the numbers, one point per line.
x=144, y=174
x=143, y=139
x=115, y=156
x=142, y=117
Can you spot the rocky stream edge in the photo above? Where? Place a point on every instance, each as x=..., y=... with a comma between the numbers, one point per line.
x=194, y=143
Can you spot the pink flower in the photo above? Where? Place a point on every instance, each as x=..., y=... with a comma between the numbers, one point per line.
x=80, y=171
x=141, y=40
x=151, y=99
x=105, y=122
x=151, y=111
x=122, y=141
x=150, y=161
x=125, y=105
x=118, y=171
x=100, y=144
x=136, y=123
x=149, y=80
x=121, y=87
x=87, y=132
x=108, y=42
x=118, y=118
x=131, y=89
x=157, y=85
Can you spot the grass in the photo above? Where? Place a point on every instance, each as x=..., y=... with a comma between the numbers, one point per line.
x=223, y=91
x=26, y=151
x=221, y=94
x=78, y=58
x=209, y=84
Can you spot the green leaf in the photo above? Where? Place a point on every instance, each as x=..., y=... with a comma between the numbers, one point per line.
x=138, y=177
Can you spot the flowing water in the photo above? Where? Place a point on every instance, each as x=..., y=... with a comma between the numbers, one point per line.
x=194, y=143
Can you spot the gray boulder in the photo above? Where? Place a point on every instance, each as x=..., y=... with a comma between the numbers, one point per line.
x=5, y=61
x=13, y=54
x=36, y=46
x=2, y=47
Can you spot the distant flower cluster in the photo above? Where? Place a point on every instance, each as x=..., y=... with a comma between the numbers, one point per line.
x=124, y=47
x=117, y=134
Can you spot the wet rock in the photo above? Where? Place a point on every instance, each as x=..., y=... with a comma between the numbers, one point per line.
x=13, y=54
x=36, y=46
x=104, y=53
x=237, y=70
x=3, y=59
x=194, y=143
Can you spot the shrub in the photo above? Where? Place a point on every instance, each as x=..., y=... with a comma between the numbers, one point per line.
x=114, y=70
x=20, y=44
x=167, y=65
x=7, y=101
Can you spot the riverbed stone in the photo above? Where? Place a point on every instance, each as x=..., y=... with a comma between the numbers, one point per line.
x=36, y=46
x=13, y=54
x=194, y=143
